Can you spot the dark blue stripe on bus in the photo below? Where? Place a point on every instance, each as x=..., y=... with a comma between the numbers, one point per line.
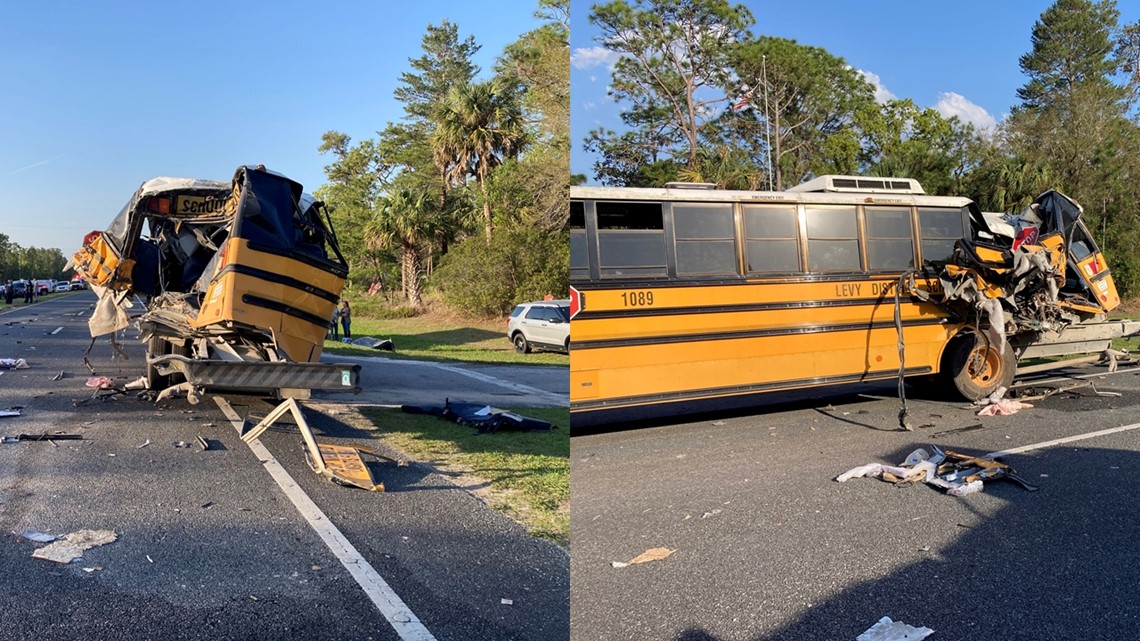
x=278, y=306
x=744, y=389
x=752, y=333
x=280, y=279
x=639, y=312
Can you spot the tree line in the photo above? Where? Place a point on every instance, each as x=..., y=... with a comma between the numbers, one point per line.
x=704, y=99
x=29, y=263
x=468, y=192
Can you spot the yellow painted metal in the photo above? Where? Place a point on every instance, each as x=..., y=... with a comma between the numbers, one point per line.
x=98, y=261
x=683, y=345
x=302, y=340
x=343, y=462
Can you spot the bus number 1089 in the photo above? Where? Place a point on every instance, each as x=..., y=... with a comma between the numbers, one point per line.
x=637, y=299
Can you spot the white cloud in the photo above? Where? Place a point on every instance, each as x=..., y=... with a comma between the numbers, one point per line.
x=589, y=105
x=590, y=57
x=33, y=165
x=882, y=94
x=953, y=104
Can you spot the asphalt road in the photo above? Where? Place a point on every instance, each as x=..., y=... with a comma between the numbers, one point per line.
x=768, y=546
x=208, y=545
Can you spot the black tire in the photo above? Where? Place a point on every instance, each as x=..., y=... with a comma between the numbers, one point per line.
x=566, y=345
x=975, y=368
x=521, y=344
x=155, y=346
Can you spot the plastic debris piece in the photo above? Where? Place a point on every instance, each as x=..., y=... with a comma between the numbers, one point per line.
x=966, y=488
x=14, y=363
x=11, y=411
x=72, y=546
x=710, y=513
x=887, y=630
x=59, y=376
x=37, y=536
x=506, y=601
x=143, y=444
x=618, y=564
x=149, y=559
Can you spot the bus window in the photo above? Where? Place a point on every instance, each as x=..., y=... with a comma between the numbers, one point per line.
x=771, y=239
x=940, y=228
x=631, y=239
x=579, y=259
x=833, y=239
x=706, y=239
x=889, y=242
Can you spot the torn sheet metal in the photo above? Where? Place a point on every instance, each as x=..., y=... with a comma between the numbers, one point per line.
x=1025, y=274
x=13, y=363
x=958, y=474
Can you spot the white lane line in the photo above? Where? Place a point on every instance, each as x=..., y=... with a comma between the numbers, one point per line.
x=551, y=397
x=1061, y=441
x=386, y=600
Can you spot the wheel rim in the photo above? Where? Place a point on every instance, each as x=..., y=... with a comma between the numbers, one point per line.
x=984, y=366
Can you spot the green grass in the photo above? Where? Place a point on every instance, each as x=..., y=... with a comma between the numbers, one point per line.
x=527, y=473
x=438, y=336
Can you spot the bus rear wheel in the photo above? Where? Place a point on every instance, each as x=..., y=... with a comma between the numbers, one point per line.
x=977, y=368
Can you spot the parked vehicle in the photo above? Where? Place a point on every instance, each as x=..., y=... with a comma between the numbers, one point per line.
x=62, y=287
x=541, y=324
x=77, y=285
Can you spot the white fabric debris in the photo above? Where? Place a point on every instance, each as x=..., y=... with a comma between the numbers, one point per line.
x=1004, y=407
x=888, y=630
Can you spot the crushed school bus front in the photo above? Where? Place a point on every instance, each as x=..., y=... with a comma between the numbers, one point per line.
x=239, y=280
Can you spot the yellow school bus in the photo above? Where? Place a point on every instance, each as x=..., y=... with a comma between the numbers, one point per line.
x=688, y=292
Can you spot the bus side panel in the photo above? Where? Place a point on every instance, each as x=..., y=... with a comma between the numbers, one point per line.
x=630, y=375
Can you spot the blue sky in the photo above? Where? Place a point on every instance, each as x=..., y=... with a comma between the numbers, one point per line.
x=958, y=57
x=98, y=97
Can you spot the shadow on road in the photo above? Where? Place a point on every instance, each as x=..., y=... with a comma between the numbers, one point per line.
x=1061, y=563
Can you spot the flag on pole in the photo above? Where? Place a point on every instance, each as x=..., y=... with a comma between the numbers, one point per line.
x=742, y=104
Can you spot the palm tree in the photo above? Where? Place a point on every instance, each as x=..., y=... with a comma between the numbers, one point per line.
x=478, y=127
x=405, y=221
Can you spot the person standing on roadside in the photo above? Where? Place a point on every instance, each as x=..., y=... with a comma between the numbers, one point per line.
x=9, y=291
x=334, y=330
x=346, y=318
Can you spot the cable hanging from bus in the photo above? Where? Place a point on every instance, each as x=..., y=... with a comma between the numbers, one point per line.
x=687, y=292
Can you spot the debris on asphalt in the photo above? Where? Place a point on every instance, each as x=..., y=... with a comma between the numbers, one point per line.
x=507, y=601
x=484, y=418
x=888, y=630
x=143, y=444
x=180, y=444
x=72, y=546
x=59, y=376
x=203, y=443
x=37, y=536
x=54, y=331
x=652, y=554
x=149, y=560
x=13, y=363
x=100, y=382
x=93, y=569
x=11, y=411
x=710, y=513
x=958, y=474
x=49, y=437
x=1004, y=407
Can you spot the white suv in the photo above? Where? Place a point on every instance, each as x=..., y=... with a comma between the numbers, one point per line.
x=543, y=324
